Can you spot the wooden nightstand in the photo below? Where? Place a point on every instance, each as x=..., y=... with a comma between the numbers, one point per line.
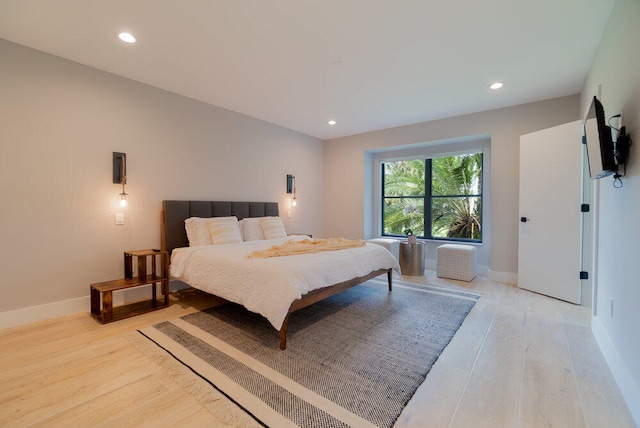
x=102, y=292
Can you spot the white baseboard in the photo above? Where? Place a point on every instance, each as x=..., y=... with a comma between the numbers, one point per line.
x=505, y=277
x=43, y=312
x=73, y=306
x=629, y=389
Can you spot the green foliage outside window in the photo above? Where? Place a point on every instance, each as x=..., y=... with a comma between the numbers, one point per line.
x=405, y=179
x=444, y=193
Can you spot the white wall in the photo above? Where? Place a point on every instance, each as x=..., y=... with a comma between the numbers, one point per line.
x=59, y=124
x=616, y=69
x=344, y=179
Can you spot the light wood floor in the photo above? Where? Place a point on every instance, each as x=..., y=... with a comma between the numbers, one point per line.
x=519, y=360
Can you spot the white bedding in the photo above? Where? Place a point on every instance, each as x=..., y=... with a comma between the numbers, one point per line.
x=269, y=286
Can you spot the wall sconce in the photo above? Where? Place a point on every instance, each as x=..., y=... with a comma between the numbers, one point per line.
x=120, y=174
x=291, y=188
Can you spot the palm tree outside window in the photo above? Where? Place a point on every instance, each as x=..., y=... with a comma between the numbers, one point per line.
x=438, y=198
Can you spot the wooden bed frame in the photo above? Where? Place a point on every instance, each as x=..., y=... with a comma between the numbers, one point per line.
x=173, y=235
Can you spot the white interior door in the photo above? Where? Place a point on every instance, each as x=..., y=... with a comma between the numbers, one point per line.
x=549, y=246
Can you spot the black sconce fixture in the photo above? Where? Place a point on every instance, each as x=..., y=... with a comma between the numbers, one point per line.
x=291, y=188
x=120, y=174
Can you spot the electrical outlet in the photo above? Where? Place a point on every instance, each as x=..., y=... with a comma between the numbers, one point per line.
x=611, y=306
x=119, y=219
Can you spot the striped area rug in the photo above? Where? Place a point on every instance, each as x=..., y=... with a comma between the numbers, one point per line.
x=355, y=359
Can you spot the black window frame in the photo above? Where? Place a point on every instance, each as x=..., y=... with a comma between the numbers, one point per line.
x=428, y=198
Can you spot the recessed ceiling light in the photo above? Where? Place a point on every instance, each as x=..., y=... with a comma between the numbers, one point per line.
x=496, y=85
x=127, y=37
x=332, y=122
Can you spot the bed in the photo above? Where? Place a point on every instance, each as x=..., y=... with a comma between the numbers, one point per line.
x=286, y=284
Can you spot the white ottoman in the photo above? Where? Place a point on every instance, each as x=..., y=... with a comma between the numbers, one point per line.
x=455, y=261
x=393, y=245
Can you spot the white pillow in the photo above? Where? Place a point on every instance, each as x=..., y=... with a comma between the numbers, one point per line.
x=197, y=231
x=241, y=226
x=252, y=229
x=272, y=228
x=224, y=230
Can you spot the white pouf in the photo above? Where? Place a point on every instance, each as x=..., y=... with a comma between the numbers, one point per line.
x=393, y=245
x=455, y=261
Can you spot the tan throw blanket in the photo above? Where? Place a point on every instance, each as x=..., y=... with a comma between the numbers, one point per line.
x=306, y=246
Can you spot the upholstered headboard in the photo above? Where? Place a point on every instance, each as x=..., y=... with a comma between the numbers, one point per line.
x=174, y=213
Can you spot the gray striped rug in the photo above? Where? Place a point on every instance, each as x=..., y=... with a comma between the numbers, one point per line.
x=355, y=359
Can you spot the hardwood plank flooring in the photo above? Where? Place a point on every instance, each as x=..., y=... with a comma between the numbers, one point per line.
x=100, y=409
x=519, y=360
x=491, y=396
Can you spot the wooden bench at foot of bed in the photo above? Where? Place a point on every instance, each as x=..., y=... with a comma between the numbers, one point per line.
x=323, y=293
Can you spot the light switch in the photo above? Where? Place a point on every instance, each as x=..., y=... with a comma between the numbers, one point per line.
x=119, y=218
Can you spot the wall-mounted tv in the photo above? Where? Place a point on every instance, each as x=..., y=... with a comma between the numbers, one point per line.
x=600, y=152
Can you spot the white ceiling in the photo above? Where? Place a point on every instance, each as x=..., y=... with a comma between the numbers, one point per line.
x=368, y=64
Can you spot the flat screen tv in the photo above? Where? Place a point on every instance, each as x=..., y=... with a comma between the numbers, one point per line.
x=600, y=151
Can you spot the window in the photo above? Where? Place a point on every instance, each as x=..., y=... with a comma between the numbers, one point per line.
x=438, y=198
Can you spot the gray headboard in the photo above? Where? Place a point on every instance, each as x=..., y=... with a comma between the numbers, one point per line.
x=174, y=213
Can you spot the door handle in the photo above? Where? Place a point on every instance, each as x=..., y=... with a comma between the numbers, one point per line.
x=523, y=219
